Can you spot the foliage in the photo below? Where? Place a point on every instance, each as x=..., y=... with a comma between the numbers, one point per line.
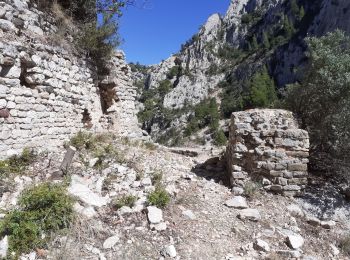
x=344, y=244
x=266, y=41
x=231, y=97
x=220, y=138
x=137, y=67
x=250, y=19
x=43, y=210
x=288, y=27
x=262, y=92
x=126, y=200
x=188, y=43
x=82, y=140
x=174, y=72
x=227, y=52
x=157, y=178
x=18, y=163
x=206, y=113
x=251, y=189
x=97, y=37
x=322, y=98
x=159, y=197
x=164, y=88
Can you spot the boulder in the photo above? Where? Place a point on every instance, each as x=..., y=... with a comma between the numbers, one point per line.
x=155, y=215
x=189, y=214
x=295, y=241
x=110, y=242
x=237, y=202
x=261, y=245
x=250, y=214
x=4, y=247
x=170, y=251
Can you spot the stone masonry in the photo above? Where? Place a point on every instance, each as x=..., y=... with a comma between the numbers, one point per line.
x=267, y=145
x=48, y=91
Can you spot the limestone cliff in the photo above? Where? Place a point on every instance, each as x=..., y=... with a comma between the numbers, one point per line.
x=49, y=91
x=229, y=49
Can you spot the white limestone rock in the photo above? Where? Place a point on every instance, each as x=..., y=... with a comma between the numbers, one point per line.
x=295, y=241
x=110, y=242
x=4, y=246
x=170, y=251
x=237, y=202
x=261, y=245
x=154, y=214
x=85, y=194
x=250, y=214
x=189, y=214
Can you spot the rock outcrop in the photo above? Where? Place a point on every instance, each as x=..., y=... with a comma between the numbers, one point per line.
x=268, y=144
x=228, y=50
x=47, y=92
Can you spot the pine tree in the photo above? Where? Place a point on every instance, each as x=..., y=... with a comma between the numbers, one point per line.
x=288, y=27
x=301, y=13
x=266, y=41
x=262, y=91
x=295, y=8
x=255, y=44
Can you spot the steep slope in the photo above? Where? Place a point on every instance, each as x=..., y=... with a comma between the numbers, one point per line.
x=221, y=59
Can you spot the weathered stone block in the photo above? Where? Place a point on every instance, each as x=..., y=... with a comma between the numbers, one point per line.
x=297, y=167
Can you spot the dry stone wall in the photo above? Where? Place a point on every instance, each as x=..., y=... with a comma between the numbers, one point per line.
x=267, y=145
x=49, y=92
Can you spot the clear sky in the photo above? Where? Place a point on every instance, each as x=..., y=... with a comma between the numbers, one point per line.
x=154, y=32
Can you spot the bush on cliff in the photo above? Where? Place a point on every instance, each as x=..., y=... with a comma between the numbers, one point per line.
x=97, y=37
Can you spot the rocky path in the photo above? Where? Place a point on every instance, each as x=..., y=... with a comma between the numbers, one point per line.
x=204, y=219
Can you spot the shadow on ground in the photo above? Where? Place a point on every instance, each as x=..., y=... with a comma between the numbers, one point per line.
x=324, y=199
x=213, y=169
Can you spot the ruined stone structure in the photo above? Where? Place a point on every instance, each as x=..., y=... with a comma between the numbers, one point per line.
x=48, y=91
x=267, y=145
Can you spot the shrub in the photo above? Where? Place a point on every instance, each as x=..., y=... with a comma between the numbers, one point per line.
x=164, y=87
x=174, y=72
x=43, y=210
x=220, y=138
x=18, y=163
x=344, y=244
x=251, y=189
x=159, y=197
x=127, y=200
x=82, y=140
x=150, y=146
x=157, y=178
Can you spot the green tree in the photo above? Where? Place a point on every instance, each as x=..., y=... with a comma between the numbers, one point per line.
x=266, y=41
x=294, y=7
x=301, y=13
x=322, y=98
x=288, y=27
x=254, y=44
x=262, y=92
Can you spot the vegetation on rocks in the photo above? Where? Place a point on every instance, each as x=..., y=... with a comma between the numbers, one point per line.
x=159, y=197
x=17, y=163
x=126, y=200
x=43, y=211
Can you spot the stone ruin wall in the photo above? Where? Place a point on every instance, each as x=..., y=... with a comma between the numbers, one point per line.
x=267, y=145
x=48, y=92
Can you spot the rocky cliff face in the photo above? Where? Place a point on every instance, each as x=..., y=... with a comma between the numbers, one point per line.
x=231, y=49
x=48, y=91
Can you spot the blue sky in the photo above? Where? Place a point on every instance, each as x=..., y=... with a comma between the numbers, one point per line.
x=154, y=32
